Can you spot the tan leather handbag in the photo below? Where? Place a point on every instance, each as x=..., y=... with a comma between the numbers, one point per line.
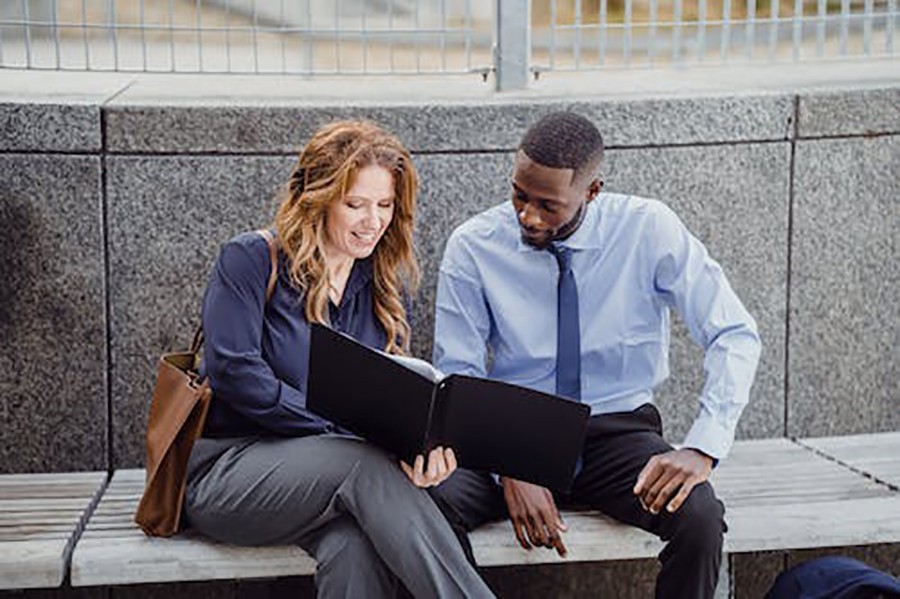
x=177, y=415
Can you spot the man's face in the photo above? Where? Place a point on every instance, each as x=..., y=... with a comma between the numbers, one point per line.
x=548, y=203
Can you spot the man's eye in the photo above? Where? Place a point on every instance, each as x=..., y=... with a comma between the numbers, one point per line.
x=548, y=208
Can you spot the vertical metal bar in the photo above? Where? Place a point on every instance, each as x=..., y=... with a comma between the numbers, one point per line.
x=773, y=28
x=1, y=47
x=627, y=31
x=798, y=28
x=577, y=41
x=27, y=20
x=418, y=22
x=444, y=19
x=365, y=38
x=820, y=29
x=310, y=43
x=54, y=7
x=143, y=38
x=84, y=36
x=867, y=28
x=726, y=29
x=845, y=21
x=553, y=21
x=171, y=38
x=750, y=28
x=390, y=35
x=469, y=29
x=513, y=32
x=652, y=32
x=228, y=36
x=281, y=35
x=115, y=34
x=889, y=27
x=336, y=34
x=701, y=31
x=677, y=17
x=255, y=44
x=604, y=10
x=198, y=23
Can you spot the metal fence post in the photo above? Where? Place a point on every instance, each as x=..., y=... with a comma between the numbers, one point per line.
x=512, y=58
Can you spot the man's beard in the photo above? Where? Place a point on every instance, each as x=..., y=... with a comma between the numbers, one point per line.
x=561, y=233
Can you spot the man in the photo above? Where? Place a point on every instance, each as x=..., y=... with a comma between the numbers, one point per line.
x=568, y=291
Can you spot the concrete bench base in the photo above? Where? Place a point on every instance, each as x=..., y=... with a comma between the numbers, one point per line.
x=779, y=494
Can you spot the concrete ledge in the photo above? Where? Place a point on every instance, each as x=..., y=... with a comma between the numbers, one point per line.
x=841, y=113
x=49, y=127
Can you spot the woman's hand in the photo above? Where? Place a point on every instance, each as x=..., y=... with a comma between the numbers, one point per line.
x=441, y=464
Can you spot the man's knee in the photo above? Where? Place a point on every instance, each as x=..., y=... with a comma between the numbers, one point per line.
x=700, y=521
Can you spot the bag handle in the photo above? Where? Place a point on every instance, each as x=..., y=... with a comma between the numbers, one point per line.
x=266, y=234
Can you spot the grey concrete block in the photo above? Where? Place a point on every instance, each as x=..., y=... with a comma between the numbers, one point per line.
x=752, y=574
x=52, y=315
x=845, y=313
x=849, y=112
x=443, y=127
x=735, y=200
x=167, y=218
x=26, y=127
x=632, y=579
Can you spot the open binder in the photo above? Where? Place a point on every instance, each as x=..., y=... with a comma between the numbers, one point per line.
x=408, y=407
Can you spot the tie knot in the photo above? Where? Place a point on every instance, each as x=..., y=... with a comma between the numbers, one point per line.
x=563, y=257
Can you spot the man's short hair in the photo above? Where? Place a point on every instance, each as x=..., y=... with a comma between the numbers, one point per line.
x=565, y=140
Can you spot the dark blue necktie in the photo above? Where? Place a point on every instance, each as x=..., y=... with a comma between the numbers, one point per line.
x=568, y=336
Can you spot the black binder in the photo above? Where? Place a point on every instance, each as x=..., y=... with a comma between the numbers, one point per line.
x=491, y=425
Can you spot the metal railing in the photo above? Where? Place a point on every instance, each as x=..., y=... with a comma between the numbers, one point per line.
x=516, y=39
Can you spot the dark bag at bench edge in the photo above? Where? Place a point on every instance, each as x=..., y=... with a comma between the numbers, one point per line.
x=177, y=416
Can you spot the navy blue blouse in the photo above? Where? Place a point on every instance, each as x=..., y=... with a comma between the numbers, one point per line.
x=257, y=352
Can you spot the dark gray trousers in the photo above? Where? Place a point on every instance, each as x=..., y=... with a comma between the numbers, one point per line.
x=342, y=500
x=615, y=451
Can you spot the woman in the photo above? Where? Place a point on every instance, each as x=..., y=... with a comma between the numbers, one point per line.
x=267, y=471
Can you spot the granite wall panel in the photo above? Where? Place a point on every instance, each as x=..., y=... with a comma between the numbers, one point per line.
x=53, y=359
x=843, y=369
x=168, y=216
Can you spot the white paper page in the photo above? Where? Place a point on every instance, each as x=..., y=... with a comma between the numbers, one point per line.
x=420, y=366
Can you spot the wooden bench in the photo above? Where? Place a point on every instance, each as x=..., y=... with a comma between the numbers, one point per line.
x=41, y=516
x=779, y=494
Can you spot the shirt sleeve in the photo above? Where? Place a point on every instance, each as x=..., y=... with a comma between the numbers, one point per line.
x=232, y=324
x=687, y=278
x=462, y=317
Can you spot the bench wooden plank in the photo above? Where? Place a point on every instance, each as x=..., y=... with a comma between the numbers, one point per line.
x=778, y=495
x=40, y=515
x=876, y=454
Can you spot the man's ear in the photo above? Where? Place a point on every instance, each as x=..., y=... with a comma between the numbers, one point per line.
x=594, y=188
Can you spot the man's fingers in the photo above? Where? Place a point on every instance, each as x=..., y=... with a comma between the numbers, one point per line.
x=535, y=530
x=408, y=471
x=655, y=496
x=682, y=495
x=518, y=527
x=647, y=476
x=433, y=456
x=662, y=498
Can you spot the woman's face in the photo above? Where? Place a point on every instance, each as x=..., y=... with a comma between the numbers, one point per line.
x=356, y=222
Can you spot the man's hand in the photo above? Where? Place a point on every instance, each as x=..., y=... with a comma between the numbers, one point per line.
x=441, y=464
x=674, y=473
x=534, y=516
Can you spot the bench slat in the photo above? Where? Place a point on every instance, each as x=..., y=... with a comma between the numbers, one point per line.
x=877, y=454
x=39, y=516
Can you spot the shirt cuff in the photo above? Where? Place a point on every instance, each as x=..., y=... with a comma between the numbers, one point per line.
x=710, y=437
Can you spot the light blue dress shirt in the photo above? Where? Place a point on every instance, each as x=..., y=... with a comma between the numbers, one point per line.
x=633, y=261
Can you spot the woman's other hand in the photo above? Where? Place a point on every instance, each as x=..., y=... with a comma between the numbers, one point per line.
x=441, y=464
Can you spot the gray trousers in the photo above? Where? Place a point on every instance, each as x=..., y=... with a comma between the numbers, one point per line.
x=342, y=500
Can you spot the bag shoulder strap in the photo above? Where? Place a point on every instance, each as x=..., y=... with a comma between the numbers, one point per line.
x=270, y=286
x=273, y=260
